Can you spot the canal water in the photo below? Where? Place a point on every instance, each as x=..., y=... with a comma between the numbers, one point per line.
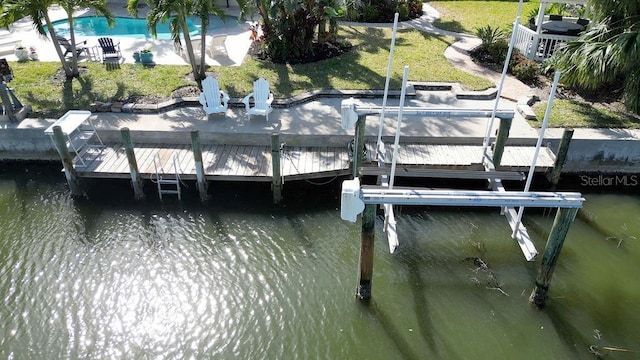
x=106, y=277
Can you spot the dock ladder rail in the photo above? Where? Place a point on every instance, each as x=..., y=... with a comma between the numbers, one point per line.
x=168, y=182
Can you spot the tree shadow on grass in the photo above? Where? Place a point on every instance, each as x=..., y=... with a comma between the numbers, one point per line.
x=451, y=25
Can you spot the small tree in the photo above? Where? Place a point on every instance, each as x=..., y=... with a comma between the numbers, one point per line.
x=290, y=26
x=176, y=13
x=14, y=10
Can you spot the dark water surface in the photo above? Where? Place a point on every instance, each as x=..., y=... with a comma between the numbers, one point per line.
x=237, y=278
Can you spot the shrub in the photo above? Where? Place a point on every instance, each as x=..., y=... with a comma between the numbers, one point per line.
x=526, y=71
x=370, y=13
x=498, y=51
x=403, y=12
x=382, y=11
x=415, y=8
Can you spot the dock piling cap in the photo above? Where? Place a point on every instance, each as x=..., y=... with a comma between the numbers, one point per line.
x=348, y=112
x=350, y=204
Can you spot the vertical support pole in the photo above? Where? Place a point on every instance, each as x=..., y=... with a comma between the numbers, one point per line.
x=564, y=218
x=59, y=140
x=358, y=145
x=365, y=264
x=136, y=180
x=6, y=101
x=197, y=157
x=501, y=140
x=561, y=156
x=276, y=179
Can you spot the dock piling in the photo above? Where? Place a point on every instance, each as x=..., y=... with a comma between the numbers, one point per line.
x=60, y=143
x=136, y=179
x=562, y=222
x=197, y=157
x=561, y=156
x=276, y=179
x=358, y=144
x=363, y=291
x=501, y=140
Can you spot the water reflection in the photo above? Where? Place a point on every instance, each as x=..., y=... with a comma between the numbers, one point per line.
x=107, y=277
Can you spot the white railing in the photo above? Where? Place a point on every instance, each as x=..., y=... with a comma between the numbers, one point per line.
x=539, y=46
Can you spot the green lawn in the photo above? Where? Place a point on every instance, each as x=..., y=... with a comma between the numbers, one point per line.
x=363, y=68
x=467, y=16
x=570, y=113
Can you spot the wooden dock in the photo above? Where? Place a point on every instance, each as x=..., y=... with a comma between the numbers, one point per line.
x=516, y=158
x=254, y=163
x=221, y=162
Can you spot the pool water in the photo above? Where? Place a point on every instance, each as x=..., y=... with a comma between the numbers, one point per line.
x=124, y=27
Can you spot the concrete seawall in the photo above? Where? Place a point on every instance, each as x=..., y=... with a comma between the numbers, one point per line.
x=600, y=150
x=317, y=122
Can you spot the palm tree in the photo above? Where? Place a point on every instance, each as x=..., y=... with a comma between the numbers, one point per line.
x=608, y=53
x=14, y=10
x=176, y=13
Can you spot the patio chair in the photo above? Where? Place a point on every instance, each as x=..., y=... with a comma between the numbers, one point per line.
x=555, y=17
x=66, y=44
x=109, y=48
x=217, y=46
x=182, y=49
x=262, y=99
x=213, y=99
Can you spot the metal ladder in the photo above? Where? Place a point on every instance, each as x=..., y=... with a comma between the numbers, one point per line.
x=168, y=182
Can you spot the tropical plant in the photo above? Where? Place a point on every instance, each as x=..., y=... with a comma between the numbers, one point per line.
x=494, y=41
x=176, y=14
x=289, y=26
x=37, y=10
x=489, y=35
x=607, y=53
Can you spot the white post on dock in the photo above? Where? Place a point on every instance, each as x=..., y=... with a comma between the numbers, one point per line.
x=389, y=217
x=396, y=142
x=505, y=67
x=136, y=180
x=379, y=145
x=532, y=168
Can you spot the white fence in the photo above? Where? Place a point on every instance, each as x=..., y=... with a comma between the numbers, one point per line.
x=538, y=46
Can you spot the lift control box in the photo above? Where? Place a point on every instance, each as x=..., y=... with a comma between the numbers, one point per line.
x=350, y=203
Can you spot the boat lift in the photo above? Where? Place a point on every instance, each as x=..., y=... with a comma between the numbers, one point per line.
x=355, y=196
x=358, y=199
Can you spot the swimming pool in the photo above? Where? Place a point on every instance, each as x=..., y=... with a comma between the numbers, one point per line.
x=124, y=27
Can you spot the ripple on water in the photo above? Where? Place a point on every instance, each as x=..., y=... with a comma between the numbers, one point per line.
x=80, y=280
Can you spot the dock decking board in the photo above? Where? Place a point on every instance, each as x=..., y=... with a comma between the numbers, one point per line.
x=253, y=163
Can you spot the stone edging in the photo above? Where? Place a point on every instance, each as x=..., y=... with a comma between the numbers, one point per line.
x=298, y=99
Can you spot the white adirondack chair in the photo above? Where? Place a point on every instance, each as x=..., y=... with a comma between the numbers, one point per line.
x=262, y=99
x=213, y=99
